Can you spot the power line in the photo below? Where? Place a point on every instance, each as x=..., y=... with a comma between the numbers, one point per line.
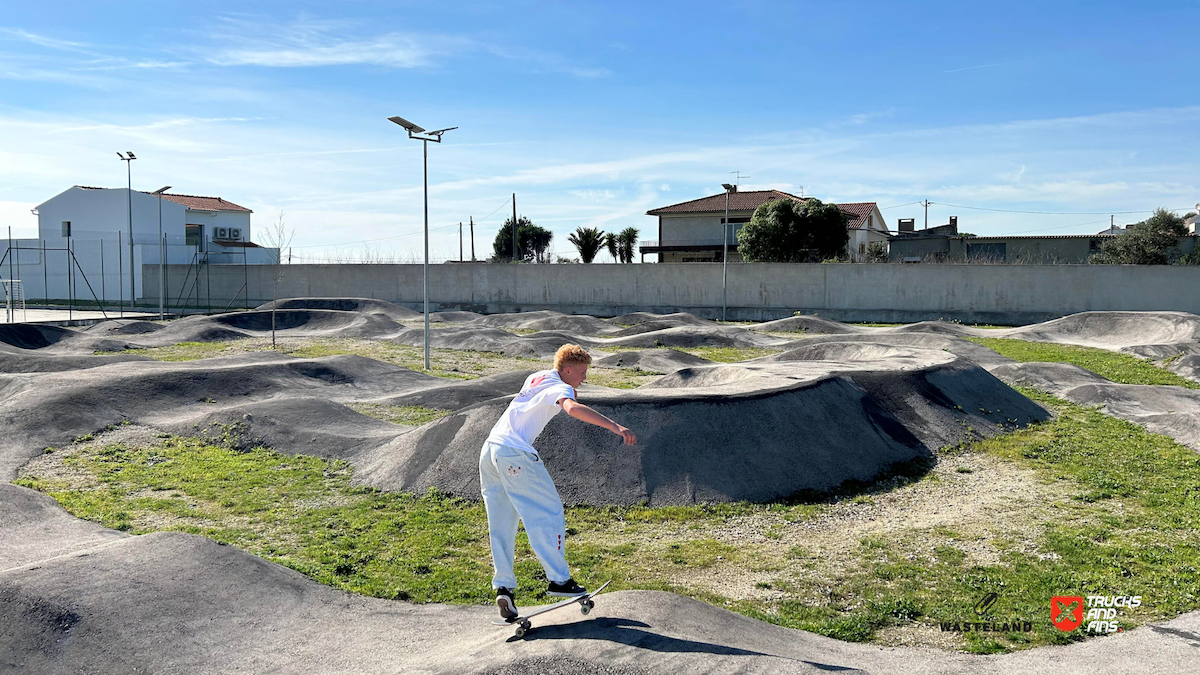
x=898, y=206
x=1046, y=213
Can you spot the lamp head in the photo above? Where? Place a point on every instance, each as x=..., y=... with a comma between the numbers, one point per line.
x=408, y=126
x=728, y=187
x=161, y=190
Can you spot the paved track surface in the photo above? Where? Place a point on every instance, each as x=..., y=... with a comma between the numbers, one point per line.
x=76, y=597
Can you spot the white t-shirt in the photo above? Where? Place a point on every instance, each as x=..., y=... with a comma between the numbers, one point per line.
x=531, y=410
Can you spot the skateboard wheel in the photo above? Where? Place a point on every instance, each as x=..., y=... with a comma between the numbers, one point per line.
x=585, y=607
x=522, y=629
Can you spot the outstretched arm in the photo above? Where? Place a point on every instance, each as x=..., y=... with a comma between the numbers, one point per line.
x=585, y=414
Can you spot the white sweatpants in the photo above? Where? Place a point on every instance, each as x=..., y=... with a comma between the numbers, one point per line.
x=516, y=485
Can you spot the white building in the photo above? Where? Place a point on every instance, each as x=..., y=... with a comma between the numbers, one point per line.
x=87, y=230
x=691, y=231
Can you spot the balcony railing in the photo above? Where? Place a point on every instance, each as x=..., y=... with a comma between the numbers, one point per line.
x=656, y=243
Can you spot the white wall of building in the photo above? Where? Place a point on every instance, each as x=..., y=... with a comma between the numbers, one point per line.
x=99, y=242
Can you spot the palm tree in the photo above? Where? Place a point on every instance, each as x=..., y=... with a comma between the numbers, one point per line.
x=588, y=241
x=626, y=243
x=613, y=246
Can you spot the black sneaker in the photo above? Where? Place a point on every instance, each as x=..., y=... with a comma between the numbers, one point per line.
x=508, y=606
x=567, y=589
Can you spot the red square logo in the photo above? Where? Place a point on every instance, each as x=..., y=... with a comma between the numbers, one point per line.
x=1066, y=612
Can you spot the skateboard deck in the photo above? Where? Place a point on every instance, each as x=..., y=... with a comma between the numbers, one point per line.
x=522, y=621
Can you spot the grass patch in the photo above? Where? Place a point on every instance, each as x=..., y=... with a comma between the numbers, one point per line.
x=412, y=415
x=450, y=363
x=1120, y=368
x=728, y=354
x=621, y=378
x=1123, y=521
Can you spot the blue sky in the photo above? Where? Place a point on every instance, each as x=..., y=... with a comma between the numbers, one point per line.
x=594, y=113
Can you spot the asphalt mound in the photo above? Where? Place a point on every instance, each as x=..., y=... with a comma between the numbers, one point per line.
x=454, y=317
x=807, y=324
x=650, y=360
x=1148, y=334
x=1187, y=366
x=1161, y=409
x=34, y=527
x=580, y=324
x=368, y=305
x=726, y=432
x=17, y=360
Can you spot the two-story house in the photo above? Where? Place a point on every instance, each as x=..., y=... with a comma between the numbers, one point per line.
x=691, y=231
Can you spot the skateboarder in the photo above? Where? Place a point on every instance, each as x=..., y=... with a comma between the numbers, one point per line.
x=515, y=483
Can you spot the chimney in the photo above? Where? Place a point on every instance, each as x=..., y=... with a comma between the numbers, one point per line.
x=954, y=221
x=906, y=224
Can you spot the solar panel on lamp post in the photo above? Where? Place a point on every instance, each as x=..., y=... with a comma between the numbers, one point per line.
x=725, y=252
x=420, y=134
x=162, y=251
x=129, y=205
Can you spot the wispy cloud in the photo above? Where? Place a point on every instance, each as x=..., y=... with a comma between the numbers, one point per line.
x=319, y=42
x=310, y=43
x=44, y=41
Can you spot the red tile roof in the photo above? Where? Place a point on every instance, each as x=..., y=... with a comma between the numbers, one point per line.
x=738, y=201
x=204, y=203
x=191, y=201
x=857, y=213
x=752, y=199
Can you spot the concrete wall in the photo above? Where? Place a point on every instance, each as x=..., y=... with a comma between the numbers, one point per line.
x=1003, y=294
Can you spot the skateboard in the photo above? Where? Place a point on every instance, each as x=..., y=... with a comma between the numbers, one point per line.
x=522, y=621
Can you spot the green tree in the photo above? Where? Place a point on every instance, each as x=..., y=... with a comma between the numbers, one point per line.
x=533, y=242
x=877, y=252
x=788, y=230
x=588, y=241
x=1154, y=241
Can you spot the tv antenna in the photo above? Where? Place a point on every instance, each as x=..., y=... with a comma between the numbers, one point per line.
x=738, y=177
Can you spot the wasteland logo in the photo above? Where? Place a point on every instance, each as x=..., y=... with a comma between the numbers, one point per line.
x=985, y=605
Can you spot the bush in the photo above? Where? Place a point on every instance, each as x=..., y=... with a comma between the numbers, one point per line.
x=1154, y=241
x=788, y=230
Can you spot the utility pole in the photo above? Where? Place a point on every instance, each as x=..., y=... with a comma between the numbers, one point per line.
x=514, y=201
x=926, y=204
x=460, y=249
x=1111, y=225
x=472, y=238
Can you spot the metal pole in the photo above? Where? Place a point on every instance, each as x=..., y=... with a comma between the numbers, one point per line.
x=245, y=279
x=9, y=305
x=425, y=282
x=162, y=251
x=725, y=258
x=103, y=293
x=129, y=195
x=45, y=275
x=120, y=278
x=514, y=201
x=460, y=245
x=472, y=238
x=70, y=290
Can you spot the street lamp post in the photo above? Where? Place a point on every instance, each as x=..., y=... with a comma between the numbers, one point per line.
x=725, y=252
x=420, y=134
x=162, y=252
x=128, y=159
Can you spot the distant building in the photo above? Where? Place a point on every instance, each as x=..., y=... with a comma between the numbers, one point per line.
x=944, y=244
x=691, y=231
x=1193, y=223
x=94, y=223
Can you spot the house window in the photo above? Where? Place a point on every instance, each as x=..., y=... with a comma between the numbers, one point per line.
x=66, y=228
x=870, y=221
x=862, y=248
x=194, y=235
